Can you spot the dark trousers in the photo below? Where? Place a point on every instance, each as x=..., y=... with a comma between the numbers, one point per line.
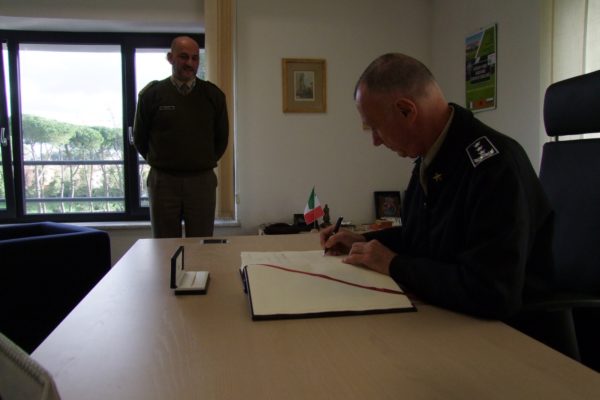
x=187, y=197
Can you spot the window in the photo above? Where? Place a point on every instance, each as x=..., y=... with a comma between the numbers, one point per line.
x=71, y=128
x=67, y=104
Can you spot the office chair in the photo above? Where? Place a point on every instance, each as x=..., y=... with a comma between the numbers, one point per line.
x=570, y=174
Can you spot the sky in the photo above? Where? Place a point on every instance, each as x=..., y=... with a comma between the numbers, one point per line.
x=70, y=84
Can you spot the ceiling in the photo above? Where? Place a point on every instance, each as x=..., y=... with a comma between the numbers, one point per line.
x=85, y=25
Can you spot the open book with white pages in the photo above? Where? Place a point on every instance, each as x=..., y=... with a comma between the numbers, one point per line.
x=301, y=284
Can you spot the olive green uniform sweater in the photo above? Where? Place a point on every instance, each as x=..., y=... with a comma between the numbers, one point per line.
x=181, y=133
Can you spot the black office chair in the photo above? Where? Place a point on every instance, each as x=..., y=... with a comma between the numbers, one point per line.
x=570, y=175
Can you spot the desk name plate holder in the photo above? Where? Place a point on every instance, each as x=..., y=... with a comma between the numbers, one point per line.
x=186, y=282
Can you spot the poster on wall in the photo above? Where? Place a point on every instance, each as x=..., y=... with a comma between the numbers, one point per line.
x=480, y=73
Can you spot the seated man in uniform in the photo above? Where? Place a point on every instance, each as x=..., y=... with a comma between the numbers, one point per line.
x=477, y=228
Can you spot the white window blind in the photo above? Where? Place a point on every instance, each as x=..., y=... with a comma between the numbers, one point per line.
x=575, y=39
x=592, y=58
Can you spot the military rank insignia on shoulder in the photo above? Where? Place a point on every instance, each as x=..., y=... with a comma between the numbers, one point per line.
x=148, y=86
x=480, y=150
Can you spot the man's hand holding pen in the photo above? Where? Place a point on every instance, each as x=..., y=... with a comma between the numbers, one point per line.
x=372, y=254
x=336, y=242
x=329, y=233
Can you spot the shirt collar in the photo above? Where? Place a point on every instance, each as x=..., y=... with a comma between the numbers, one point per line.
x=432, y=152
x=191, y=83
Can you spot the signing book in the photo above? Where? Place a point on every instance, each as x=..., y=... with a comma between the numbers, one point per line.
x=301, y=284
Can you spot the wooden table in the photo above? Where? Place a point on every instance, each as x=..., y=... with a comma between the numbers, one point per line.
x=132, y=338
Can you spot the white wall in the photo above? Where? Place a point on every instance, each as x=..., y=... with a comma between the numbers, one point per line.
x=281, y=156
x=519, y=95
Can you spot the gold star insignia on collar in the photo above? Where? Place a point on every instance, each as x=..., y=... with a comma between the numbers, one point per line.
x=437, y=177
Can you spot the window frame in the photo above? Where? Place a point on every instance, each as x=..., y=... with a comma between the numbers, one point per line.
x=6, y=147
x=129, y=43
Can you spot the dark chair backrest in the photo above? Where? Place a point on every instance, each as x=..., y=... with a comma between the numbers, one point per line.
x=570, y=174
x=568, y=319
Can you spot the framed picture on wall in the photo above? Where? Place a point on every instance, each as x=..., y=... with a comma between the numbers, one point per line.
x=304, y=85
x=387, y=205
x=480, y=69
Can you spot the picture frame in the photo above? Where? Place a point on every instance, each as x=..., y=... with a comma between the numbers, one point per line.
x=304, y=85
x=299, y=220
x=481, y=69
x=387, y=204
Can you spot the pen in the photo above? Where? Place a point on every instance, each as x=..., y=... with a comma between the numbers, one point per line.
x=337, y=225
x=335, y=229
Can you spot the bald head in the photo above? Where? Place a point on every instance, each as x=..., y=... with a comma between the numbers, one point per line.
x=183, y=41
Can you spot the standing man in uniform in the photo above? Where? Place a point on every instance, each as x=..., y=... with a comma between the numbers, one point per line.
x=476, y=232
x=181, y=129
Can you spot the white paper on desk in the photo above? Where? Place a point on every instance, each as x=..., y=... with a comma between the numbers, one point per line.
x=279, y=293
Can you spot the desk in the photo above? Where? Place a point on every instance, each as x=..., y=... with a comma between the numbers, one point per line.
x=132, y=338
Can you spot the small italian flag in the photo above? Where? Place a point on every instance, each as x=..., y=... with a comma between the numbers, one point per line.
x=313, y=209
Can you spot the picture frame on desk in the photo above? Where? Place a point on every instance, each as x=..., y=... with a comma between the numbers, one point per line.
x=304, y=85
x=299, y=220
x=387, y=204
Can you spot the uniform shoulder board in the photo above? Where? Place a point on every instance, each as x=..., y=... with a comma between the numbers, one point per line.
x=215, y=94
x=148, y=86
x=480, y=150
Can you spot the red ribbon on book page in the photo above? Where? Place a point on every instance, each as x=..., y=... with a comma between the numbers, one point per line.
x=378, y=289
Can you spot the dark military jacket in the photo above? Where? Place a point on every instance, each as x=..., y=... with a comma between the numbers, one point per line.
x=479, y=241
